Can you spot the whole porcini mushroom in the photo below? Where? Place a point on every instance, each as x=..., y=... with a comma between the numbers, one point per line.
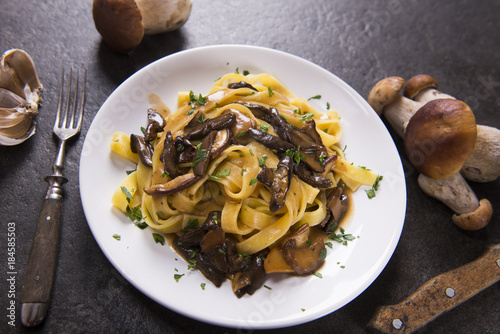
x=424, y=88
x=438, y=140
x=385, y=99
x=470, y=214
x=123, y=23
x=440, y=137
x=483, y=165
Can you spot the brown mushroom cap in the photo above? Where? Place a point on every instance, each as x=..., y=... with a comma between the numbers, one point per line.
x=385, y=92
x=476, y=219
x=418, y=83
x=440, y=137
x=119, y=22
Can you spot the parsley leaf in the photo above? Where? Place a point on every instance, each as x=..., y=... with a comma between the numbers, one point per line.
x=159, y=239
x=315, y=97
x=306, y=117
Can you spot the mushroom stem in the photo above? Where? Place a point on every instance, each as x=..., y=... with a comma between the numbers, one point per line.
x=454, y=192
x=399, y=112
x=385, y=99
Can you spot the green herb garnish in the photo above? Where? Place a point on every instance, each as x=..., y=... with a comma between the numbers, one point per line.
x=159, y=239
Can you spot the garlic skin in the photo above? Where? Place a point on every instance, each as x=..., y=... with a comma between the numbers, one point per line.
x=20, y=95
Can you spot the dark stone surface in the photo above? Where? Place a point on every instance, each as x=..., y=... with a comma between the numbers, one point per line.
x=458, y=42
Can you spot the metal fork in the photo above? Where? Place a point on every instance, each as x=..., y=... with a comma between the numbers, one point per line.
x=40, y=269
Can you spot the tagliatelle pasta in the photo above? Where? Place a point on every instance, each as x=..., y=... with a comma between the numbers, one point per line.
x=233, y=182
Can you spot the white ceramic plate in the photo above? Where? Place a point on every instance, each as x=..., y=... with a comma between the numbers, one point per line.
x=150, y=267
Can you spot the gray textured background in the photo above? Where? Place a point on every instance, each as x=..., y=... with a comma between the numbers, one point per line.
x=458, y=42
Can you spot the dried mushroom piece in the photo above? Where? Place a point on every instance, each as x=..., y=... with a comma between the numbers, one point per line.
x=20, y=93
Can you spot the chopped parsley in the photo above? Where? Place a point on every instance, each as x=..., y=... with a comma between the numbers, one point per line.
x=199, y=155
x=295, y=154
x=342, y=237
x=141, y=225
x=315, y=97
x=264, y=127
x=135, y=213
x=220, y=174
x=270, y=91
x=253, y=181
x=192, y=224
x=262, y=161
x=117, y=237
x=318, y=275
x=202, y=285
x=127, y=193
x=195, y=101
x=322, y=254
x=159, y=239
x=306, y=117
x=177, y=277
x=371, y=192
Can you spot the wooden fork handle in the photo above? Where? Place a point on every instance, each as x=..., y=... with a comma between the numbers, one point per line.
x=40, y=270
x=439, y=295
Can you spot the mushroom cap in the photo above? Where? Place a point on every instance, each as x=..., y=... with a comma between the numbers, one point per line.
x=385, y=92
x=119, y=22
x=476, y=219
x=440, y=137
x=418, y=83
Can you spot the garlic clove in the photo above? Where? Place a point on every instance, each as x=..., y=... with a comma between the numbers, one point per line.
x=20, y=95
x=18, y=74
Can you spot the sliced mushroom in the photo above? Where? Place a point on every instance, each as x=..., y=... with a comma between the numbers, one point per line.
x=202, y=156
x=139, y=145
x=337, y=204
x=222, y=140
x=156, y=123
x=301, y=253
x=185, y=149
x=242, y=124
x=202, y=129
x=172, y=186
x=169, y=156
x=307, y=176
x=241, y=84
x=259, y=111
x=282, y=176
x=249, y=280
x=270, y=141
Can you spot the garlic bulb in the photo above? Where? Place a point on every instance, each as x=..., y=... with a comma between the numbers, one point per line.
x=20, y=93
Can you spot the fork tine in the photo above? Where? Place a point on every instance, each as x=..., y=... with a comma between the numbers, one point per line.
x=73, y=107
x=82, y=101
x=68, y=95
x=59, y=101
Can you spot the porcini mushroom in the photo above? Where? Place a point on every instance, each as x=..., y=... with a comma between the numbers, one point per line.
x=385, y=99
x=483, y=165
x=423, y=88
x=438, y=140
x=398, y=109
x=302, y=254
x=440, y=137
x=123, y=23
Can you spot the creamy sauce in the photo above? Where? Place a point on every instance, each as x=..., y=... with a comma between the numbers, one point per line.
x=158, y=105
